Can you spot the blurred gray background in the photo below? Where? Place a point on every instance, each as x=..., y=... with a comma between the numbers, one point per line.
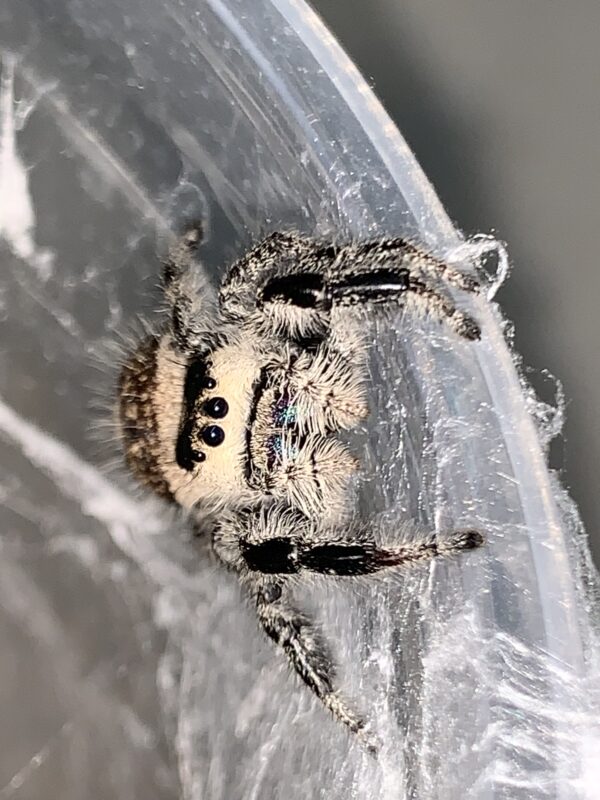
x=500, y=102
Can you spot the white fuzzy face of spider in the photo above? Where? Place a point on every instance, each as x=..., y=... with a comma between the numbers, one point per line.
x=239, y=424
x=185, y=432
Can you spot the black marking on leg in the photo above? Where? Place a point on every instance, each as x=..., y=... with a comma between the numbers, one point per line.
x=398, y=250
x=335, y=559
x=271, y=557
x=302, y=289
x=347, y=559
x=385, y=285
x=351, y=559
x=377, y=280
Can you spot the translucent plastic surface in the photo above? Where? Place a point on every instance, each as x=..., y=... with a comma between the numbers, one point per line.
x=131, y=665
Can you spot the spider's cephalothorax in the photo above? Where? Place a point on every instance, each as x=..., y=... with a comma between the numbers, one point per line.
x=232, y=411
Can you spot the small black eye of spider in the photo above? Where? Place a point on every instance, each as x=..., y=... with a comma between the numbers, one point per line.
x=213, y=436
x=185, y=455
x=196, y=380
x=216, y=407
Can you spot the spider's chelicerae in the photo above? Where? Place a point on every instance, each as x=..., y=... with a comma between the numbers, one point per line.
x=232, y=409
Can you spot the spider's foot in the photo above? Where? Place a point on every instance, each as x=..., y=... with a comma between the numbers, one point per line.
x=356, y=724
x=370, y=742
x=464, y=540
x=194, y=235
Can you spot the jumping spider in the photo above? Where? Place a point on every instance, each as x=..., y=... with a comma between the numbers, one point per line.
x=231, y=411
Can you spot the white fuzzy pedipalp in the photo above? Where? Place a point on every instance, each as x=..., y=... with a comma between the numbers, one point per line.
x=315, y=477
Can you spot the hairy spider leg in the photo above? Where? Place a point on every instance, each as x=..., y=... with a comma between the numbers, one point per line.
x=394, y=252
x=359, y=284
x=397, y=252
x=289, y=270
x=307, y=652
x=267, y=548
x=333, y=555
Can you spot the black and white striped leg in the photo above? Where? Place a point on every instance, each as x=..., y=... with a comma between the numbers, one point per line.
x=283, y=542
x=278, y=251
x=307, y=652
x=387, y=286
x=397, y=253
x=362, y=282
x=334, y=556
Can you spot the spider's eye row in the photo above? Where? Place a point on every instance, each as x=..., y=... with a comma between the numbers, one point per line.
x=213, y=435
x=216, y=407
x=196, y=380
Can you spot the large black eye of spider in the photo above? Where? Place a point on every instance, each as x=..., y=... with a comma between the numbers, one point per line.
x=216, y=407
x=213, y=436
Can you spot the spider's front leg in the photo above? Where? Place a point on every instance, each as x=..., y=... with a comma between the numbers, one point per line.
x=298, y=637
x=377, y=273
x=282, y=541
x=289, y=254
x=268, y=547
